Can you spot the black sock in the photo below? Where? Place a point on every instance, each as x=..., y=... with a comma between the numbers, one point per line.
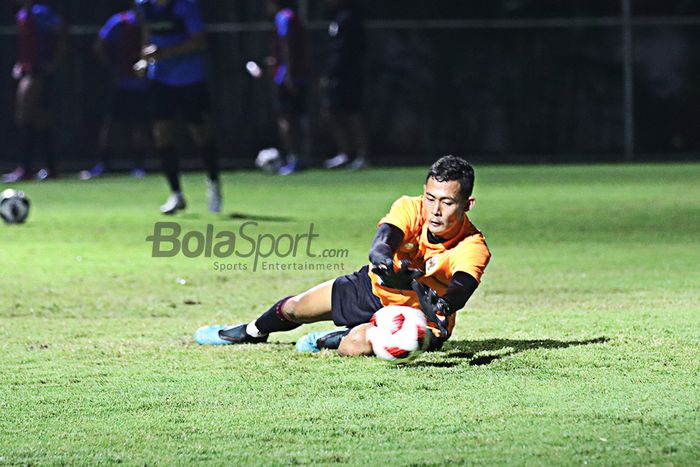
x=25, y=144
x=46, y=148
x=208, y=155
x=168, y=160
x=275, y=320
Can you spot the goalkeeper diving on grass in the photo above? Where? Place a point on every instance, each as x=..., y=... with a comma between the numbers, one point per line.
x=426, y=254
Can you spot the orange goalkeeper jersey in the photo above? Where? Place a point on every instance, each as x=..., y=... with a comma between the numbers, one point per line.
x=467, y=252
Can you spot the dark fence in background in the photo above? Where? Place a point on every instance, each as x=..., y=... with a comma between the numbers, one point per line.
x=504, y=81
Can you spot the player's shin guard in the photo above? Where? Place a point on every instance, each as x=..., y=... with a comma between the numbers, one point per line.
x=275, y=319
x=168, y=159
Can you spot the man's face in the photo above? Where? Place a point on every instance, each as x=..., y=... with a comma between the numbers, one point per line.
x=444, y=207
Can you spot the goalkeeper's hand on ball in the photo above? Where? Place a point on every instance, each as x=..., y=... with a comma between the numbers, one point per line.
x=400, y=278
x=432, y=304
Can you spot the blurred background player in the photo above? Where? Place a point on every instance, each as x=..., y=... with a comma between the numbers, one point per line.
x=42, y=44
x=288, y=67
x=118, y=46
x=176, y=66
x=342, y=85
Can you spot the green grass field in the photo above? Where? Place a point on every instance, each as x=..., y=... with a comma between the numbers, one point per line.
x=582, y=346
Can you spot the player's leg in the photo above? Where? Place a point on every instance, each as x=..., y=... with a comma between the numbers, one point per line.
x=349, y=102
x=43, y=122
x=291, y=312
x=166, y=106
x=104, y=149
x=202, y=135
x=330, y=118
x=139, y=122
x=353, y=305
x=197, y=112
x=292, y=109
x=340, y=132
x=139, y=143
x=359, y=141
x=164, y=141
x=348, y=301
x=289, y=127
x=203, y=138
x=285, y=315
x=343, y=103
x=311, y=306
x=121, y=111
x=26, y=103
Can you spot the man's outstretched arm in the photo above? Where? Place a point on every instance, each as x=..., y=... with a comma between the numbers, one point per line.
x=461, y=288
x=386, y=242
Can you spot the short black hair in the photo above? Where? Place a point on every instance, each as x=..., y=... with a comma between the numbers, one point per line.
x=450, y=168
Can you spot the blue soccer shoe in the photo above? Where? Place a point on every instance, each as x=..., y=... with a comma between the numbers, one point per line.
x=315, y=341
x=209, y=335
x=219, y=334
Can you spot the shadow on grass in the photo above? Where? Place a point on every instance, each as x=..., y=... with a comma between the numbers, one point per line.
x=238, y=216
x=485, y=352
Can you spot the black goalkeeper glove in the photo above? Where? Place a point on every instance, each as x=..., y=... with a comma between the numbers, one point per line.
x=431, y=304
x=396, y=279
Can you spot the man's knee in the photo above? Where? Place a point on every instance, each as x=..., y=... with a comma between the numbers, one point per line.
x=298, y=310
x=302, y=309
x=290, y=308
x=355, y=344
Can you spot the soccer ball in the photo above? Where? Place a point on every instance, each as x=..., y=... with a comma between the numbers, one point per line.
x=14, y=206
x=269, y=160
x=399, y=334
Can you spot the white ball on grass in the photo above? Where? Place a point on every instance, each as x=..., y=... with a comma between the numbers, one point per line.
x=399, y=334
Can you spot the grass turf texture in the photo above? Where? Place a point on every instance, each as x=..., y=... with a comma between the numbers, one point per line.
x=581, y=346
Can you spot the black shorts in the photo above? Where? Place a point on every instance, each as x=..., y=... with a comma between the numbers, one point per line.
x=353, y=303
x=129, y=105
x=291, y=104
x=343, y=96
x=189, y=102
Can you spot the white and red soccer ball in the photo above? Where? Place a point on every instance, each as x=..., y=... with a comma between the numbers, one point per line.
x=399, y=334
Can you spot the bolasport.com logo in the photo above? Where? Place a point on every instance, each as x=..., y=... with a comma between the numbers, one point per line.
x=246, y=249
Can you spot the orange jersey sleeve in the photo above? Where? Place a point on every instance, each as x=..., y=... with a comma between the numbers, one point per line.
x=471, y=255
x=405, y=214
